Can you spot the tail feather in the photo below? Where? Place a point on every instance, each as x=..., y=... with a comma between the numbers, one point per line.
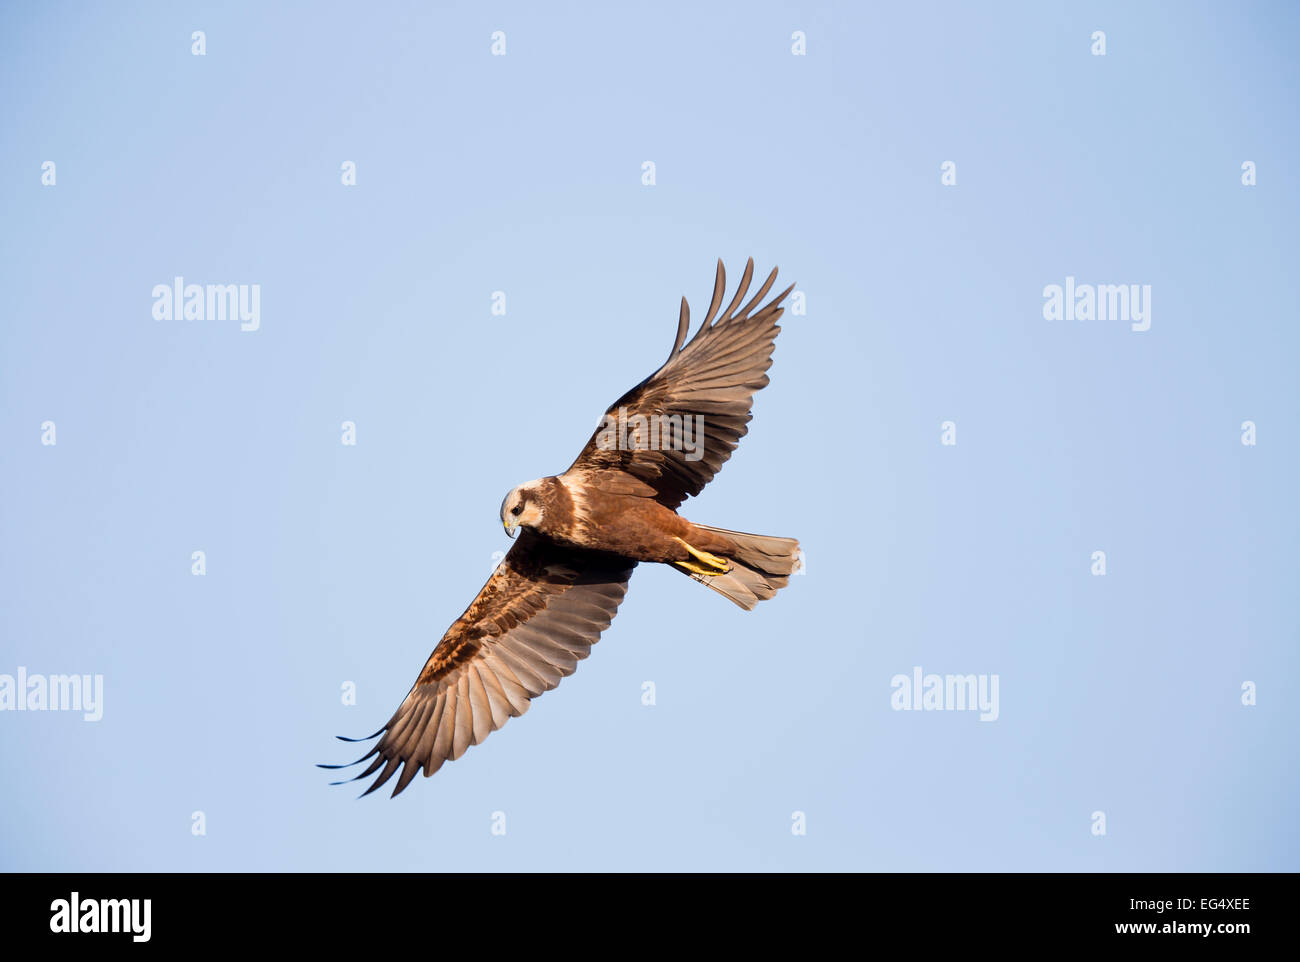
x=760, y=566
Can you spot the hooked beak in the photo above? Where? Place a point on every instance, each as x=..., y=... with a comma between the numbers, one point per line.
x=512, y=527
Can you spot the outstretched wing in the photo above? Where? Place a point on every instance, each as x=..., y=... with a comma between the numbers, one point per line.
x=535, y=619
x=713, y=377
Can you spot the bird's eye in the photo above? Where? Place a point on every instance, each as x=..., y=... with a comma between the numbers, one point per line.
x=518, y=509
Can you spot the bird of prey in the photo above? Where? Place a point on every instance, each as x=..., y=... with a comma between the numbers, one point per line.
x=581, y=533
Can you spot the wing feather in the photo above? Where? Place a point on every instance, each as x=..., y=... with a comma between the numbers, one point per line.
x=464, y=733
x=498, y=703
x=713, y=375
x=479, y=701
x=530, y=625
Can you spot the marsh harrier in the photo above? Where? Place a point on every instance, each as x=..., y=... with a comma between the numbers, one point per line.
x=581, y=533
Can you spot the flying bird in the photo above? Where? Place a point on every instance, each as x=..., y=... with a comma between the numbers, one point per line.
x=580, y=534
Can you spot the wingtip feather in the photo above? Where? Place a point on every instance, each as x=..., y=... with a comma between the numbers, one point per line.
x=364, y=738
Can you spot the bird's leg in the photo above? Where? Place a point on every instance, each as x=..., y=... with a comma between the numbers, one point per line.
x=713, y=565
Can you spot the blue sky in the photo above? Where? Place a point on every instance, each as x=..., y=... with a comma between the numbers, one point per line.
x=328, y=564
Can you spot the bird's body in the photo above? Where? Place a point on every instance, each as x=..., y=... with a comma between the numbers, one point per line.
x=581, y=515
x=582, y=533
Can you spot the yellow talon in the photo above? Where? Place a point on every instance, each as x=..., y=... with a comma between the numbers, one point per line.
x=715, y=565
x=693, y=568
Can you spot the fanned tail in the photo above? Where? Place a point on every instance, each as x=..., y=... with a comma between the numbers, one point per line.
x=761, y=566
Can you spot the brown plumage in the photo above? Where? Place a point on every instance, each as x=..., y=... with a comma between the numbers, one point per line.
x=584, y=531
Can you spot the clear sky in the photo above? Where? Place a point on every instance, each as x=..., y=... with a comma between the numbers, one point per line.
x=328, y=564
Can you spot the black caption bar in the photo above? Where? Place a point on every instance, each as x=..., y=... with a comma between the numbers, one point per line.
x=335, y=911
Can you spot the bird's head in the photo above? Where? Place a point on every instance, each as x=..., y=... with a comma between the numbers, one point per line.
x=522, y=507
